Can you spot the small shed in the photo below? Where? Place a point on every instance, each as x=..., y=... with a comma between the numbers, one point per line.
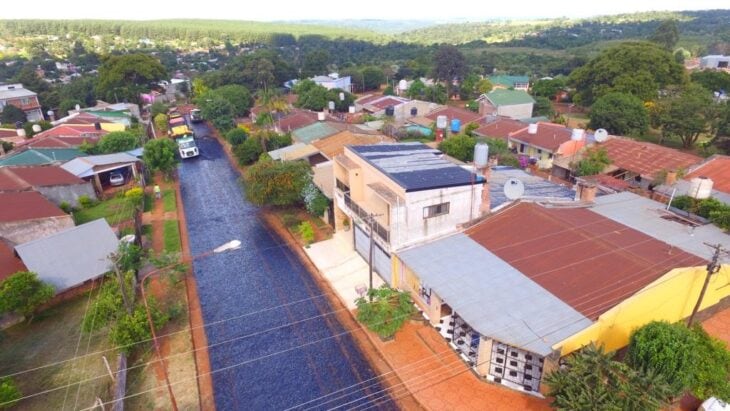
x=98, y=168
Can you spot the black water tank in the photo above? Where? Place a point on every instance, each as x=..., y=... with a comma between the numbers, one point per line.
x=389, y=111
x=414, y=111
x=97, y=126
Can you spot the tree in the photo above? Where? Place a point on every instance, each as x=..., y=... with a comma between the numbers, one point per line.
x=159, y=155
x=542, y=107
x=314, y=201
x=685, y=113
x=437, y=93
x=483, y=86
x=594, y=162
x=67, y=105
x=461, y=147
x=467, y=88
x=417, y=90
x=238, y=96
x=311, y=96
x=385, y=310
x=117, y=142
x=199, y=87
x=219, y=112
x=372, y=78
x=9, y=393
x=276, y=183
x=23, y=292
x=161, y=122
x=666, y=35
x=12, y=115
x=620, y=114
x=158, y=108
x=449, y=66
x=124, y=77
x=130, y=329
x=712, y=80
x=548, y=88
x=388, y=91
x=236, y=136
x=688, y=359
x=599, y=76
x=248, y=152
x=591, y=380
x=315, y=63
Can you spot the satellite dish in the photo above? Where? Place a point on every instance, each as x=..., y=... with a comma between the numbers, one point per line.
x=514, y=189
x=601, y=135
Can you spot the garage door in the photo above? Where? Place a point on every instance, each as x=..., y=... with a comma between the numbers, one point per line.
x=381, y=259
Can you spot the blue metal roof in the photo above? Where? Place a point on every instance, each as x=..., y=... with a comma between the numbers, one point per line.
x=416, y=166
x=536, y=188
x=493, y=297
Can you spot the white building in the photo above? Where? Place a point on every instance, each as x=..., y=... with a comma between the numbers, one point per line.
x=26, y=100
x=333, y=80
x=715, y=61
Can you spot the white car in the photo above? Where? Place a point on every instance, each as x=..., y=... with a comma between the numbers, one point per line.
x=116, y=178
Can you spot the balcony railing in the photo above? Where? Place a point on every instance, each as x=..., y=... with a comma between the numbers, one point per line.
x=381, y=231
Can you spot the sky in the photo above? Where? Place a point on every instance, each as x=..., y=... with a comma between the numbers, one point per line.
x=333, y=10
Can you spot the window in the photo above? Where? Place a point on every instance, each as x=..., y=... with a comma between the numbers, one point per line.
x=436, y=210
x=522, y=148
x=25, y=101
x=342, y=186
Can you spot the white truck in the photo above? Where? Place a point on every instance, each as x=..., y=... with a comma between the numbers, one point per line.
x=187, y=148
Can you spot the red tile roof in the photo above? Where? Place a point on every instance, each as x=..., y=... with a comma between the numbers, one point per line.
x=296, y=120
x=590, y=262
x=71, y=130
x=388, y=101
x=367, y=99
x=646, y=159
x=500, y=128
x=549, y=136
x=26, y=205
x=10, y=182
x=465, y=116
x=43, y=176
x=85, y=118
x=716, y=168
x=9, y=263
x=8, y=132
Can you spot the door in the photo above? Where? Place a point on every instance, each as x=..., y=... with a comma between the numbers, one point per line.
x=381, y=258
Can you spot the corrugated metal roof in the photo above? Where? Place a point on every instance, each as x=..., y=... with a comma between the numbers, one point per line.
x=278, y=154
x=26, y=205
x=716, y=168
x=493, y=297
x=334, y=145
x=9, y=263
x=44, y=176
x=84, y=166
x=536, y=188
x=315, y=131
x=68, y=258
x=646, y=159
x=590, y=262
x=645, y=215
x=415, y=166
x=15, y=93
x=502, y=97
x=39, y=156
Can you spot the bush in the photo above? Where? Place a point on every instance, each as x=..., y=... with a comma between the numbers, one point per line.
x=461, y=147
x=276, y=183
x=236, y=136
x=65, y=206
x=593, y=163
x=248, y=152
x=289, y=219
x=23, y=292
x=306, y=231
x=117, y=142
x=315, y=202
x=131, y=329
x=135, y=196
x=387, y=312
x=85, y=201
x=9, y=393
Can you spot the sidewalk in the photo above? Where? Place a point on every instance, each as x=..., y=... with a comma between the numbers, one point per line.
x=424, y=365
x=342, y=266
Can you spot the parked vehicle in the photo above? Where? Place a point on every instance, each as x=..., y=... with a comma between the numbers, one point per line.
x=187, y=147
x=116, y=178
x=196, y=116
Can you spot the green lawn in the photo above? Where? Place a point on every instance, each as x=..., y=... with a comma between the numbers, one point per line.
x=115, y=210
x=168, y=200
x=52, y=337
x=172, y=236
x=149, y=201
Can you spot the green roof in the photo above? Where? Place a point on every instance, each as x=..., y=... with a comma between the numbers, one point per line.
x=313, y=132
x=40, y=156
x=508, y=81
x=502, y=97
x=111, y=113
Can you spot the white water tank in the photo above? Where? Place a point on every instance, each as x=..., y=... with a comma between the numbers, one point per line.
x=532, y=128
x=700, y=188
x=331, y=105
x=351, y=109
x=20, y=131
x=321, y=116
x=342, y=96
x=481, y=155
x=403, y=85
x=37, y=128
x=577, y=134
x=441, y=122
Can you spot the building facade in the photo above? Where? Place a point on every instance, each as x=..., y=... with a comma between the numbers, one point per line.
x=26, y=100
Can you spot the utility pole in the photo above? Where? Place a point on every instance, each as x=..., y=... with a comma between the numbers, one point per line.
x=115, y=258
x=712, y=268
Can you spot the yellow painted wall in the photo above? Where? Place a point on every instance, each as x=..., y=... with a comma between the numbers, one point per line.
x=671, y=298
x=112, y=127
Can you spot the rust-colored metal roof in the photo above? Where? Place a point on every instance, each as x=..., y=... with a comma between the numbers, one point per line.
x=296, y=120
x=387, y=101
x=463, y=115
x=10, y=182
x=500, y=128
x=9, y=263
x=549, y=136
x=590, y=262
x=26, y=205
x=43, y=176
x=62, y=142
x=716, y=168
x=646, y=159
x=335, y=145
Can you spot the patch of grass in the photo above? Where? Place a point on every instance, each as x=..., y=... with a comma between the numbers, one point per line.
x=147, y=229
x=115, y=210
x=53, y=336
x=149, y=201
x=168, y=200
x=172, y=236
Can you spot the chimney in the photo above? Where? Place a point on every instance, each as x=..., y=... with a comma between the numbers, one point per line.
x=532, y=128
x=486, y=204
x=587, y=192
x=671, y=177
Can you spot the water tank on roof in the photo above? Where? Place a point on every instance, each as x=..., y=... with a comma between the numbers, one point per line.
x=342, y=96
x=331, y=105
x=700, y=188
x=351, y=110
x=389, y=111
x=577, y=134
x=532, y=128
x=321, y=116
x=20, y=132
x=441, y=122
x=414, y=111
x=455, y=125
x=481, y=155
x=37, y=128
x=403, y=85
